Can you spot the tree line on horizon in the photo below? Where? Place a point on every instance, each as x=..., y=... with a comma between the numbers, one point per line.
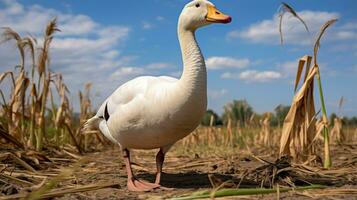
x=241, y=113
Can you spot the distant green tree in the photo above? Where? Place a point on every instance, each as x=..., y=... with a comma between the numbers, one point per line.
x=238, y=111
x=274, y=121
x=280, y=114
x=353, y=121
x=350, y=121
x=345, y=121
x=206, y=119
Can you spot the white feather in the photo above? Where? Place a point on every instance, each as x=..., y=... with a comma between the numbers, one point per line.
x=154, y=112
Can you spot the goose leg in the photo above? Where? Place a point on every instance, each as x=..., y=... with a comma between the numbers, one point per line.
x=160, y=157
x=133, y=183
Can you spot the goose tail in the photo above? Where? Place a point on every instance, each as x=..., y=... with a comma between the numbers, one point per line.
x=92, y=123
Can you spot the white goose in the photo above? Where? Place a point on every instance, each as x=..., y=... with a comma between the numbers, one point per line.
x=155, y=112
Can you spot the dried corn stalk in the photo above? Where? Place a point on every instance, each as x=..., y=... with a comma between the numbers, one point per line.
x=209, y=131
x=337, y=133
x=45, y=79
x=252, y=121
x=87, y=137
x=17, y=104
x=265, y=135
x=299, y=127
x=239, y=130
x=63, y=112
x=327, y=158
x=9, y=34
x=26, y=115
x=229, y=136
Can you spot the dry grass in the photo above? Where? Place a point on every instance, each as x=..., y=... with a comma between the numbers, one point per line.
x=268, y=173
x=37, y=112
x=37, y=118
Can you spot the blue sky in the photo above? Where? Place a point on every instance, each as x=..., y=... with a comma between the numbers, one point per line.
x=110, y=43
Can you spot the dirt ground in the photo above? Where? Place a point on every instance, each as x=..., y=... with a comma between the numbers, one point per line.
x=184, y=173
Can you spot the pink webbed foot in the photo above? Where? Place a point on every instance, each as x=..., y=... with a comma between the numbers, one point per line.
x=136, y=185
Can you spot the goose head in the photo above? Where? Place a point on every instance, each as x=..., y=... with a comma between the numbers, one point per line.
x=199, y=13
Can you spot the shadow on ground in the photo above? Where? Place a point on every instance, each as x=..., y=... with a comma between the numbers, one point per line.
x=187, y=180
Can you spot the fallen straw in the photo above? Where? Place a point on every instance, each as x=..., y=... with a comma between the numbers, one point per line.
x=243, y=192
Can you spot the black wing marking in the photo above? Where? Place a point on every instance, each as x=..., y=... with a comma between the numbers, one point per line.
x=106, y=114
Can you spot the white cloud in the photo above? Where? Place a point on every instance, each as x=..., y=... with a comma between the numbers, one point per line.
x=346, y=35
x=256, y=76
x=13, y=7
x=226, y=62
x=147, y=25
x=84, y=51
x=176, y=74
x=112, y=54
x=253, y=76
x=124, y=72
x=70, y=24
x=350, y=25
x=216, y=93
x=159, y=65
x=160, y=18
x=288, y=68
x=267, y=31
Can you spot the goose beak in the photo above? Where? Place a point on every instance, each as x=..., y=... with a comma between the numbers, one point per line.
x=216, y=16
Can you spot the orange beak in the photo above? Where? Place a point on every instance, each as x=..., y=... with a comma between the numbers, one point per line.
x=215, y=16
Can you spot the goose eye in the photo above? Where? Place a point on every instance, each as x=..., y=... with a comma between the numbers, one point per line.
x=197, y=5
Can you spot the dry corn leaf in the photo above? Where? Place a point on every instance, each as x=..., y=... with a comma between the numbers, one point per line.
x=317, y=42
x=5, y=74
x=298, y=130
x=300, y=126
x=305, y=61
x=340, y=104
x=9, y=34
x=284, y=8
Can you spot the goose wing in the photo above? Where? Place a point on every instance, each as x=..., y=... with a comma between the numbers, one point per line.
x=130, y=90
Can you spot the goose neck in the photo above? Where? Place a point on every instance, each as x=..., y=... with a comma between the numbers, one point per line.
x=194, y=70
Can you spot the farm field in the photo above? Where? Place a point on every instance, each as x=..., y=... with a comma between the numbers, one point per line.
x=282, y=134
x=190, y=166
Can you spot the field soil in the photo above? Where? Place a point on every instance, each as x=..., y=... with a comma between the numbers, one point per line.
x=185, y=174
